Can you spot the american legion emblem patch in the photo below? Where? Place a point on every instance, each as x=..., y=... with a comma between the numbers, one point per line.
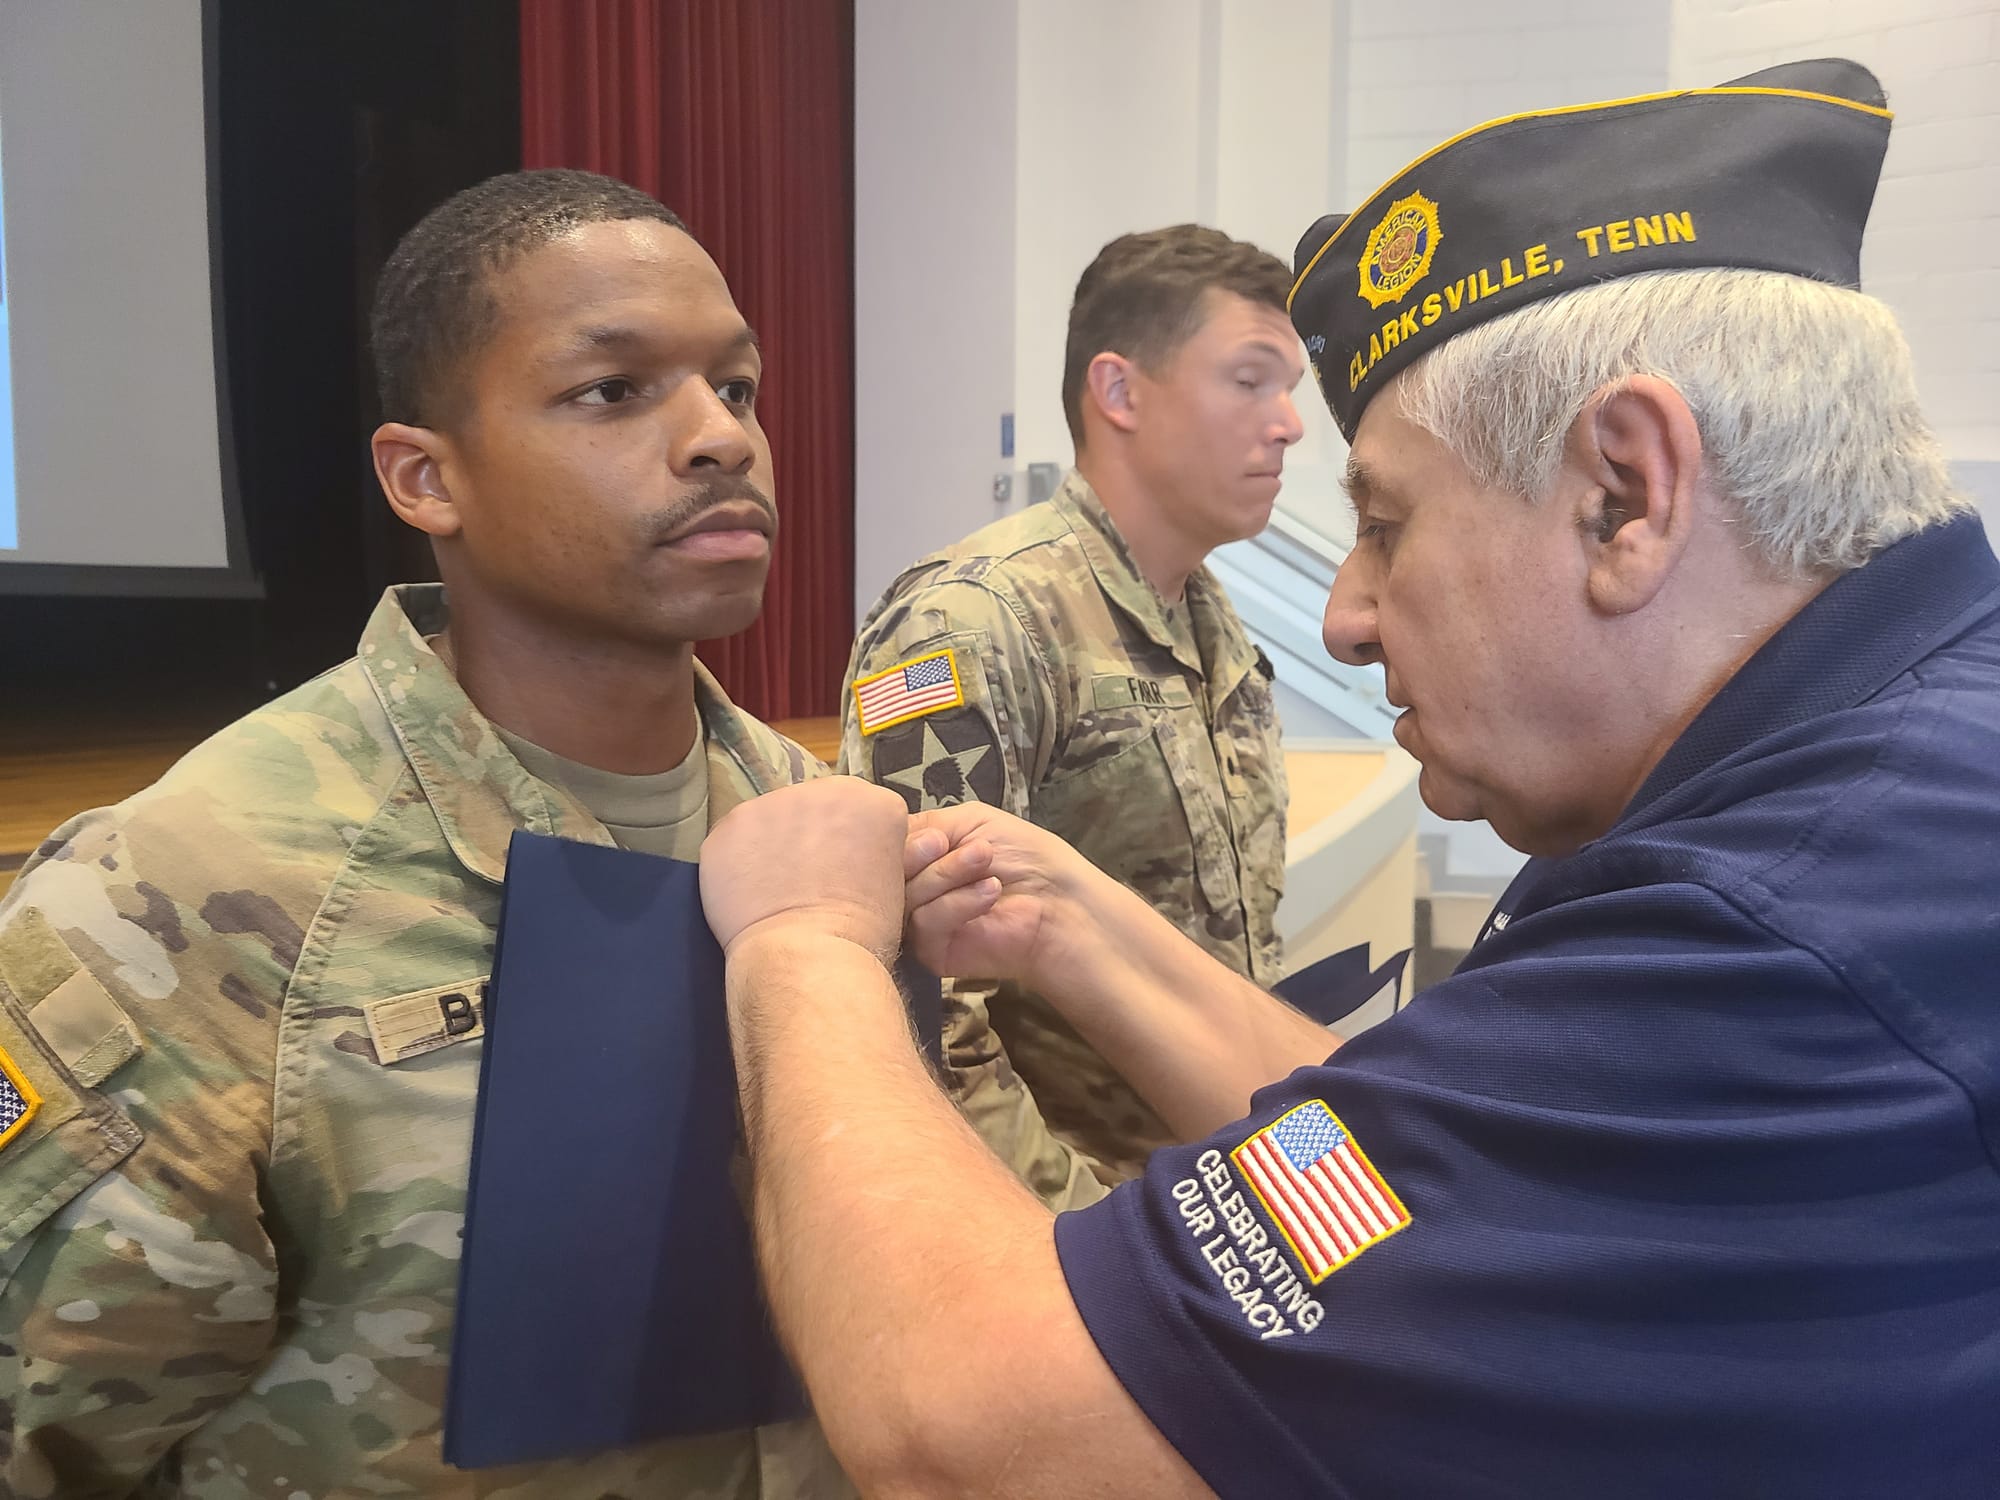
x=1319, y=1188
x=1399, y=250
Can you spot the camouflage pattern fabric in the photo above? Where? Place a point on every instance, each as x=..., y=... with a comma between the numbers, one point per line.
x=230, y=1233
x=1152, y=749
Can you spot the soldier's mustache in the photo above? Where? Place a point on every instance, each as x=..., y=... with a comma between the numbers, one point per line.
x=705, y=496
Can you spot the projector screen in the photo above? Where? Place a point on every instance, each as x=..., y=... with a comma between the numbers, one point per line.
x=115, y=474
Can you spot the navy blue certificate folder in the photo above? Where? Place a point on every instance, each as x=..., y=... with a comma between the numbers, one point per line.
x=608, y=1294
x=1340, y=984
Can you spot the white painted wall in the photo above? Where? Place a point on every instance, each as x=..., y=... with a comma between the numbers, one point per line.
x=934, y=221
x=1981, y=480
x=1420, y=71
x=1109, y=142
x=1280, y=131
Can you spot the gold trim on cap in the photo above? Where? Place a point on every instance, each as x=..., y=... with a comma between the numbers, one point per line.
x=1566, y=109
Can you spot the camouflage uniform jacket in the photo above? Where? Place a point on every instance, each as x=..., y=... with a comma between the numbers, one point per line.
x=1074, y=706
x=229, y=1236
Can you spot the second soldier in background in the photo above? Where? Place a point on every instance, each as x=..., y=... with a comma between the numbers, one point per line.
x=1078, y=665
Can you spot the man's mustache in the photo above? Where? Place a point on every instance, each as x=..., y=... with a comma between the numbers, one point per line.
x=704, y=497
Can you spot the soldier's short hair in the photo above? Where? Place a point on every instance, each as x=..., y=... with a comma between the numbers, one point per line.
x=1143, y=297
x=434, y=301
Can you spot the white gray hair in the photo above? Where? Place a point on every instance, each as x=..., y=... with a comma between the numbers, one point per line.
x=1804, y=395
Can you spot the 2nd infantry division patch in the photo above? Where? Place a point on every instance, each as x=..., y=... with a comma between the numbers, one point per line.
x=909, y=690
x=1319, y=1189
x=18, y=1100
x=941, y=761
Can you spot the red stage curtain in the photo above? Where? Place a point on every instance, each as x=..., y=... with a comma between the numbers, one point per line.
x=738, y=115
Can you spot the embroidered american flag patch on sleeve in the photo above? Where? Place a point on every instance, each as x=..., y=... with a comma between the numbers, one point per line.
x=908, y=690
x=18, y=1099
x=1321, y=1191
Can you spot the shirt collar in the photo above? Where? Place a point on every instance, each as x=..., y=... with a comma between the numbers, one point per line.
x=1212, y=621
x=476, y=787
x=1855, y=637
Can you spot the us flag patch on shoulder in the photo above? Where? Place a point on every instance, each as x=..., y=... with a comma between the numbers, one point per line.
x=1319, y=1188
x=18, y=1099
x=909, y=690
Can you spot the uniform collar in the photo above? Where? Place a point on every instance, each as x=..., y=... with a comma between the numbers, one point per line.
x=1212, y=621
x=1859, y=634
x=746, y=758
x=479, y=792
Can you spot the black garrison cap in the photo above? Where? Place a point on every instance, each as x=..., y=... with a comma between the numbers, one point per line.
x=1773, y=172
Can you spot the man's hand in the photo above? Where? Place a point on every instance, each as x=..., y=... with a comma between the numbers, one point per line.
x=994, y=897
x=824, y=858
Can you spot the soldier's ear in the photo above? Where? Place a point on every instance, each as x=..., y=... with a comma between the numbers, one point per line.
x=1112, y=389
x=410, y=463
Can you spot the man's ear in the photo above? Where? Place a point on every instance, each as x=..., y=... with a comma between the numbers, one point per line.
x=409, y=463
x=1637, y=451
x=1110, y=384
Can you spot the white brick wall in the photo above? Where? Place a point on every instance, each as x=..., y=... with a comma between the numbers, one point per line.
x=1933, y=245
x=1423, y=70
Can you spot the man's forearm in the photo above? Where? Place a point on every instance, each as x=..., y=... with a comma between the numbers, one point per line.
x=876, y=1206
x=1194, y=1037
x=913, y=1279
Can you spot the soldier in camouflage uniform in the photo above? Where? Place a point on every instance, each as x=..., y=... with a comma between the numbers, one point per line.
x=245, y=1003
x=1077, y=665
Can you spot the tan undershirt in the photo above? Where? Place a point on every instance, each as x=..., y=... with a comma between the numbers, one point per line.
x=663, y=813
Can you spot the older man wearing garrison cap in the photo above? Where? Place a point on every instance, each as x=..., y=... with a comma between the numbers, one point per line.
x=1685, y=1183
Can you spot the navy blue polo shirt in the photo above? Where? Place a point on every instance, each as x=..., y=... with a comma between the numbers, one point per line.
x=1687, y=1183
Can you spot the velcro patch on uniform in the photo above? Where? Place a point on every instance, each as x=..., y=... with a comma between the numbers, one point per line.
x=406, y=1026
x=85, y=1028
x=909, y=690
x=942, y=762
x=1319, y=1188
x=18, y=1100
x=1117, y=691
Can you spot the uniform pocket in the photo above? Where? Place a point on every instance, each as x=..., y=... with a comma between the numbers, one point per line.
x=1134, y=799
x=1197, y=780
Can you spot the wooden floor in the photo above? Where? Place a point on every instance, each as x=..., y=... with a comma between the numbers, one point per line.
x=57, y=760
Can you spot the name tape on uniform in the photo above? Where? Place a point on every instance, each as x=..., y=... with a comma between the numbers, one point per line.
x=405, y=1026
